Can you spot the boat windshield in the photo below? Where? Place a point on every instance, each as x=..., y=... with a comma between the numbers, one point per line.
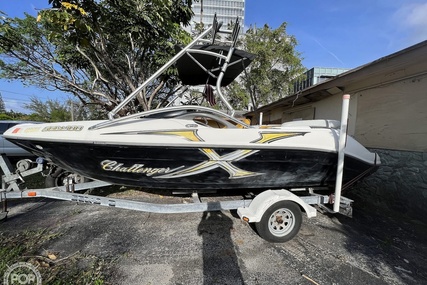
x=213, y=121
x=202, y=116
x=199, y=114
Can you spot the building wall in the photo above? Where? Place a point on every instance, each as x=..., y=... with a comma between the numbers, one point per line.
x=394, y=116
x=317, y=75
x=328, y=109
x=226, y=10
x=392, y=121
x=331, y=109
x=300, y=113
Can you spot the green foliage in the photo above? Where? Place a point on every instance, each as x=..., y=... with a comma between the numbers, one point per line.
x=5, y=117
x=98, y=51
x=12, y=115
x=270, y=75
x=2, y=107
x=56, y=111
x=239, y=99
x=49, y=111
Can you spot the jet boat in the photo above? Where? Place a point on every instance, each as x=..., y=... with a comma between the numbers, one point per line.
x=195, y=147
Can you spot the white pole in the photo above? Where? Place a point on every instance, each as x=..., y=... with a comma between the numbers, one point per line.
x=341, y=150
x=260, y=118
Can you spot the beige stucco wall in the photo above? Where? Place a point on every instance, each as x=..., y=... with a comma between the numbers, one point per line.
x=331, y=108
x=328, y=109
x=391, y=116
x=394, y=116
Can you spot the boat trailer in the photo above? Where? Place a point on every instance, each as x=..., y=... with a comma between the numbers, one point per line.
x=276, y=213
x=283, y=207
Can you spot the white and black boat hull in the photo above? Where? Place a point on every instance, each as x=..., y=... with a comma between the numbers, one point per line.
x=199, y=169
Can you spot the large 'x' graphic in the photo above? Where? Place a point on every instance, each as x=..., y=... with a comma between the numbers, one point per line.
x=225, y=161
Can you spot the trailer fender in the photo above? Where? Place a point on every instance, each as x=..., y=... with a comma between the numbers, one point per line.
x=253, y=213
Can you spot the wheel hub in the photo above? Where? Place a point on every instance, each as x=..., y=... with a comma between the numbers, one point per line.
x=281, y=222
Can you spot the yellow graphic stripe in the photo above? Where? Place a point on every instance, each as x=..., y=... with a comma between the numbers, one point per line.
x=225, y=161
x=270, y=137
x=187, y=134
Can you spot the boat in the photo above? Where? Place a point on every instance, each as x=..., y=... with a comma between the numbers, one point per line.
x=198, y=148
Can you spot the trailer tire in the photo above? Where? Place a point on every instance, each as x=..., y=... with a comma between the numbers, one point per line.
x=58, y=178
x=280, y=222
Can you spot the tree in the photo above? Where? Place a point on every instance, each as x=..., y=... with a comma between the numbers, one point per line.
x=12, y=115
x=5, y=117
x=2, y=106
x=48, y=111
x=56, y=111
x=99, y=51
x=269, y=77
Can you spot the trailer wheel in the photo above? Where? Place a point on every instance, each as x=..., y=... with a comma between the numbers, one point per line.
x=281, y=222
x=59, y=178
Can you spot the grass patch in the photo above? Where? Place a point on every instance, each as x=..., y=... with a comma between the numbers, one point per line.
x=27, y=246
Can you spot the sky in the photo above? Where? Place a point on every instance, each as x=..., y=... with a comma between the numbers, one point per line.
x=330, y=33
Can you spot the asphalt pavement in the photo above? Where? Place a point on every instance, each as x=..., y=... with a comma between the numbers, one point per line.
x=219, y=248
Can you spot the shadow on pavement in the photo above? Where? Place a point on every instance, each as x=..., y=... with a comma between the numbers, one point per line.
x=220, y=264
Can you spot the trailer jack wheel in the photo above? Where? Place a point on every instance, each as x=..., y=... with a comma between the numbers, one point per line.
x=281, y=222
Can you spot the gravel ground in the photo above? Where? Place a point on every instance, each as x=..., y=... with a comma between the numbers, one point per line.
x=219, y=248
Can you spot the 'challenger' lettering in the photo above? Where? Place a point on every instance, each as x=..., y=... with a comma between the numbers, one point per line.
x=111, y=165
